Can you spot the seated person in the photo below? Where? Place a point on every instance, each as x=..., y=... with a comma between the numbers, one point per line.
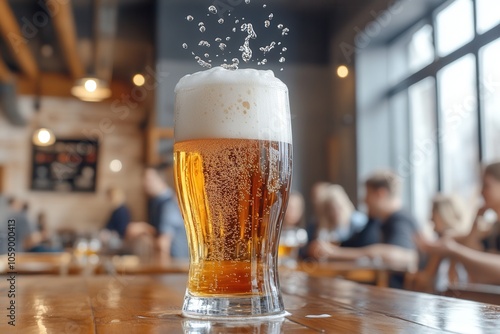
x=469, y=251
x=26, y=235
x=292, y=235
x=394, y=232
x=481, y=267
x=338, y=220
x=450, y=220
x=165, y=219
x=120, y=217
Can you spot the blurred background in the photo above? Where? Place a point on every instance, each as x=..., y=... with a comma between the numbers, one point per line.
x=87, y=95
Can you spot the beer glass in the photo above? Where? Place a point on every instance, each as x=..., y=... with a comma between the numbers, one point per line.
x=233, y=167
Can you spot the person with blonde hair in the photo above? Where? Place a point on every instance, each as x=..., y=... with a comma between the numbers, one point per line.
x=482, y=267
x=338, y=219
x=450, y=221
x=393, y=230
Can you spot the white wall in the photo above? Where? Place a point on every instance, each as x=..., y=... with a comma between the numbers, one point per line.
x=120, y=138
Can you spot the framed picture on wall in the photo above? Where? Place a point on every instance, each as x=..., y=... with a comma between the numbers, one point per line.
x=69, y=165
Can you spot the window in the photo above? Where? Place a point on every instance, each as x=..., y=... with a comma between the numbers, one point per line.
x=488, y=14
x=490, y=99
x=423, y=152
x=441, y=93
x=459, y=129
x=454, y=26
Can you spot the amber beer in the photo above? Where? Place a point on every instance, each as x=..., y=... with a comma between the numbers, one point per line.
x=233, y=166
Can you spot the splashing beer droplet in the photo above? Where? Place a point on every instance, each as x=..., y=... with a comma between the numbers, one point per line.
x=206, y=55
x=221, y=21
x=285, y=32
x=268, y=48
x=271, y=16
x=282, y=59
x=189, y=18
x=212, y=9
x=204, y=43
x=284, y=49
x=218, y=39
x=202, y=63
x=228, y=38
x=280, y=26
x=267, y=23
x=247, y=1
x=184, y=46
x=222, y=46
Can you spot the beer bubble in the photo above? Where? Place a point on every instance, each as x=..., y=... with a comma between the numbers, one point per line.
x=267, y=48
x=212, y=9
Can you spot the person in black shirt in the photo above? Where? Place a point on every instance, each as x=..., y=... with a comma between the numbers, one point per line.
x=120, y=217
x=391, y=230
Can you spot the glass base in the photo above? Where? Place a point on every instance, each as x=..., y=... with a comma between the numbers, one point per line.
x=233, y=308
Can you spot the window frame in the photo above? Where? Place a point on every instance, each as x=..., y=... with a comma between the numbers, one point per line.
x=431, y=70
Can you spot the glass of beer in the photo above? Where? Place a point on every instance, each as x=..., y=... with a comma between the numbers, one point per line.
x=233, y=167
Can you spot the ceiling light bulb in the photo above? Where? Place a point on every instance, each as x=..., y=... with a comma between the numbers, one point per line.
x=115, y=166
x=90, y=85
x=43, y=137
x=139, y=80
x=342, y=71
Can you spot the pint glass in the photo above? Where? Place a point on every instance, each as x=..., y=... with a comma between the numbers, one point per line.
x=233, y=167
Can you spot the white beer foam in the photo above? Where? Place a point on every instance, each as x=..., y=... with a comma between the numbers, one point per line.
x=237, y=104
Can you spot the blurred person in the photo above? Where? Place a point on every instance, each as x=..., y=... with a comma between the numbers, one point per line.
x=450, y=221
x=120, y=217
x=395, y=229
x=165, y=219
x=293, y=236
x=339, y=219
x=481, y=267
x=469, y=251
x=26, y=235
x=294, y=213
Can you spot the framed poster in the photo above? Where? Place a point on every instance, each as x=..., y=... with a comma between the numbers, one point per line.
x=69, y=165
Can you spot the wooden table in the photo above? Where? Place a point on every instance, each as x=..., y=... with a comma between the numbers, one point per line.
x=151, y=304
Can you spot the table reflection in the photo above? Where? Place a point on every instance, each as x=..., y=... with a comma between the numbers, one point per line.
x=192, y=326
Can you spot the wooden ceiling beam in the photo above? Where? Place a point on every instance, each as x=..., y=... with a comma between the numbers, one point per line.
x=17, y=43
x=5, y=73
x=64, y=23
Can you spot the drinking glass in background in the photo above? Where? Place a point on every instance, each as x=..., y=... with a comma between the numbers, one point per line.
x=233, y=167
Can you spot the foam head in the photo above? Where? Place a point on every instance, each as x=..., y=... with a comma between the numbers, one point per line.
x=237, y=104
